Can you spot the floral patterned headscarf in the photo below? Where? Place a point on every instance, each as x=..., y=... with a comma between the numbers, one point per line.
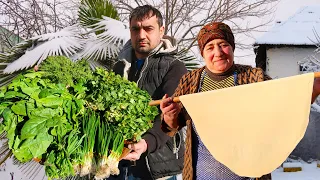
x=215, y=30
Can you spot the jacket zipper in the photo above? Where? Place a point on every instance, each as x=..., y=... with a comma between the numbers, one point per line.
x=144, y=68
x=149, y=169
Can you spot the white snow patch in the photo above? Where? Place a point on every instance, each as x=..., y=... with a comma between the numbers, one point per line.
x=297, y=30
x=292, y=164
x=309, y=172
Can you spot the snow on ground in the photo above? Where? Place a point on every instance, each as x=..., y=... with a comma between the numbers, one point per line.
x=309, y=172
x=8, y=171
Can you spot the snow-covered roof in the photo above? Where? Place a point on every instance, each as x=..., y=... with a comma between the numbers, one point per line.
x=297, y=30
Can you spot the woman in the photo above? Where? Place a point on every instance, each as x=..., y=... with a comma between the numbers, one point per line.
x=216, y=44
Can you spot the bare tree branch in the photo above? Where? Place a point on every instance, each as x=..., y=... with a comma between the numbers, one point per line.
x=28, y=18
x=183, y=18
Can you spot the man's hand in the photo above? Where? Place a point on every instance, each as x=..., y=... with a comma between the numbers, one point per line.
x=36, y=68
x=170, y=111
x=136, y=150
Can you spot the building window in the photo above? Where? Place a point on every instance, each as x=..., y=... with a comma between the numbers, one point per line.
x=302, y=68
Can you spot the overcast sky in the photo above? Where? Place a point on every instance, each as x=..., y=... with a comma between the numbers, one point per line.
x=284, y=10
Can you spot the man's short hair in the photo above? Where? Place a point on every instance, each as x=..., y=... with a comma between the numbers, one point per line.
x=141, y=12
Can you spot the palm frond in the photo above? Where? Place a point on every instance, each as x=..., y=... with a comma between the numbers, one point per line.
x=7, y=78
x=98, y=49
x=32, y=169
x=16, y=51
x=107, y=64
x=107, y=44
x=5, y=59
x=5, y=152
x=65, y=42
x=4, y=134
x=87, y=177
x=189, y=60
x=91, y=11
x=11, y=55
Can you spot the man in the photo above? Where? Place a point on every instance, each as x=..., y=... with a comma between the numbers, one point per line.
x=148, y=59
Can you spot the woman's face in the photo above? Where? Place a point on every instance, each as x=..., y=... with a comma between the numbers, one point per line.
x=218, y=55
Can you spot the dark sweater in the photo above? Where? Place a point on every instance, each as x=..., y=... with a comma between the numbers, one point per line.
x=159, y=75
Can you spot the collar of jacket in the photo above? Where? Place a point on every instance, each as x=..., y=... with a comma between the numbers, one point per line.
x=168, y=45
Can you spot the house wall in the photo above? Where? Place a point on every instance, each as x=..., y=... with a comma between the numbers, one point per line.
x=283, y=61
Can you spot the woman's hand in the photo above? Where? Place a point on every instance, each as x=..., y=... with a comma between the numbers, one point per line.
x=316, y=89
x=170, y=111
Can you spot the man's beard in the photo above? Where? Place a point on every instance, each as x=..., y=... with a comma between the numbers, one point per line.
x=143, y=50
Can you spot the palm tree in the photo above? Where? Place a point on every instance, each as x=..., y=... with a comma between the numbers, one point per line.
x=98, y=38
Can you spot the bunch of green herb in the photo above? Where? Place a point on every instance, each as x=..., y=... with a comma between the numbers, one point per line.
x=60, y=69
x=125, y=106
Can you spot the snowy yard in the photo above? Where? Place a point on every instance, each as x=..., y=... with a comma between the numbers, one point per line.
x=309, y=172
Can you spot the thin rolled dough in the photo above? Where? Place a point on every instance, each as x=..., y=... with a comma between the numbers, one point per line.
x=253, y=128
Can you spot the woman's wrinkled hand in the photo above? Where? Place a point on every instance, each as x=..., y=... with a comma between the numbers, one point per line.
x=316, y=89
x=170, y=111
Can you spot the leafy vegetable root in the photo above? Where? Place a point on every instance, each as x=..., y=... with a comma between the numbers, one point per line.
x=113, y=165
x=103, y=172
x=77, y=168
x=88, y=165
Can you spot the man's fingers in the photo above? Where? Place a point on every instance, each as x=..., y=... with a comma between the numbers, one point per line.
x=133, y=156
x=135, y=153
x=131, y=146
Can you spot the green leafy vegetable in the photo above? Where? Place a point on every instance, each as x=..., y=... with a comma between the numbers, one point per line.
x=75, y=120
x=60, y=69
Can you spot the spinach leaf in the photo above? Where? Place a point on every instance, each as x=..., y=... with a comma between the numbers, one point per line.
x=23, y=153
x=33, y=127
x=50, y=101
x=60, y=126
x=31, y=148
x=19, y=108
x=46, y=113
x=14, y=94
x=33, y=75
x=40, y=144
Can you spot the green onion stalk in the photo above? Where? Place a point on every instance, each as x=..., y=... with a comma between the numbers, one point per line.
x=102, y=150
x=73, y=150
x=59, y=161
x=89, y=124
x=116, y=152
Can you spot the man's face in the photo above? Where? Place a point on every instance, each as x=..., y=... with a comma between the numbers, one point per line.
x=145, y=35
x=218, y=55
